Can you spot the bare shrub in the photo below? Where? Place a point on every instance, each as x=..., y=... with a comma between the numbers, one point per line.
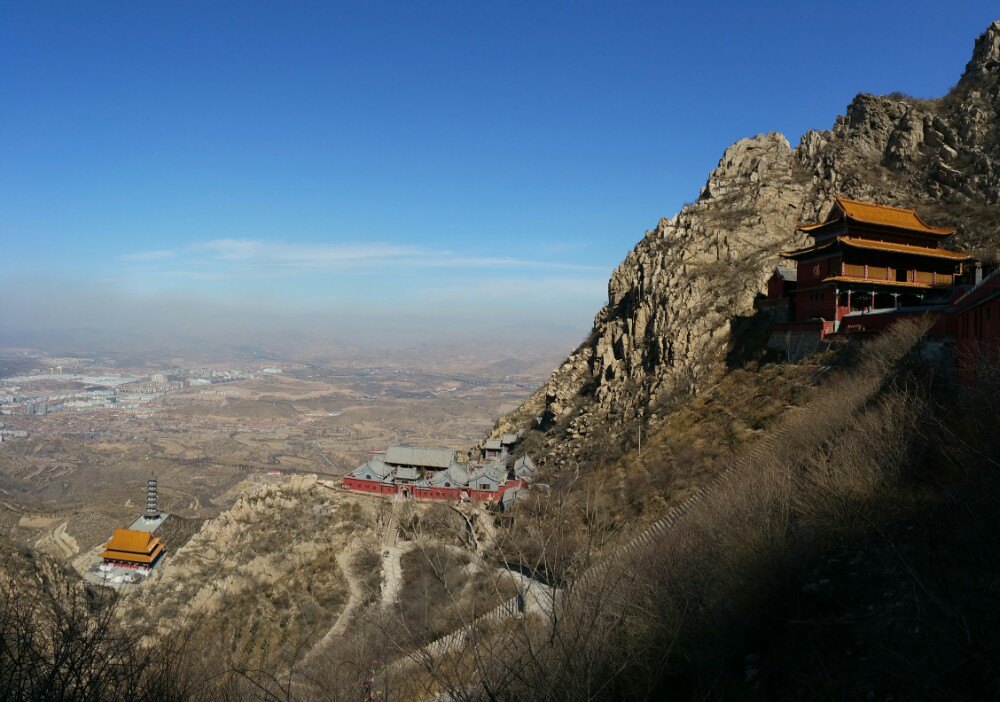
x=668, y=610
x=71, y=648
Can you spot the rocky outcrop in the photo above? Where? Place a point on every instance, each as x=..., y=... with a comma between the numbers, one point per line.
x=271, y=557
x=673, y=301
x=23, y=570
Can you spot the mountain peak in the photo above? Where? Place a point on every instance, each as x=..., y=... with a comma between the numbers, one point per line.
x=678, y=301
x=985, y=59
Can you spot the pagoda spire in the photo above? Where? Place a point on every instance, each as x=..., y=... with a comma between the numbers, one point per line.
x=152, y=505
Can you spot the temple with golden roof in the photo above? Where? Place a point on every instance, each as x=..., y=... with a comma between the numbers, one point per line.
x=867, y=259
x=132, y=548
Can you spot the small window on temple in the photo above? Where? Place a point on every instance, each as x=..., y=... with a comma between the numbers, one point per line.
x=447, y=484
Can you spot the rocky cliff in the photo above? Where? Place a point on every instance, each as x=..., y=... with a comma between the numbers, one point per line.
x=674, y=301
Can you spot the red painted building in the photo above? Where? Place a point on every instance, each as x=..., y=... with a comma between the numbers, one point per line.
x=867, y=259
x=976, y=324
x=781, y=283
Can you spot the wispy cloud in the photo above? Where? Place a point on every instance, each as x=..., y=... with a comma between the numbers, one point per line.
x=233, y=257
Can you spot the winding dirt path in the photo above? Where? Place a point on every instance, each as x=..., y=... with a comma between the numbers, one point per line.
x=392, y=574
x=392, y=554
x=357, y=597
x=66, y=544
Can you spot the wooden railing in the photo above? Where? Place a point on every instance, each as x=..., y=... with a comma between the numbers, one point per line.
x=863, y=272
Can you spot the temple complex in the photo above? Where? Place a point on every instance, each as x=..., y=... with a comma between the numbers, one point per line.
x=132, y=548
x=868, y=259
x=133, y=552
x=870, y=265
x=434, y=473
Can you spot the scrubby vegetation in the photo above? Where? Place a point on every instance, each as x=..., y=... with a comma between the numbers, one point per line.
x=843, y=546
x=831, y=524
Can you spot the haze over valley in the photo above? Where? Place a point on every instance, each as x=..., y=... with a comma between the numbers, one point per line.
x=492, y=352
x=97, y=428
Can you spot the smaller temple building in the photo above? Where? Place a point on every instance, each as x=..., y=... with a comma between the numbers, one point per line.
x=136, y=549
x=133, y=548
x=498, y=448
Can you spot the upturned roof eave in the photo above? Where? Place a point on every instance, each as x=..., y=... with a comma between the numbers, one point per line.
x=873, y=245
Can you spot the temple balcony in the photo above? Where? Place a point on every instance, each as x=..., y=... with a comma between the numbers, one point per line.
x=888, y=274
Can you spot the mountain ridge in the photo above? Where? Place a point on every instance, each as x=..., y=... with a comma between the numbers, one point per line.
x=675, y=300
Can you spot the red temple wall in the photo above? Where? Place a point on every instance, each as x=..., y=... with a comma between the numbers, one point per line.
x=977, y=337
x=775, y=286
x=813, y=271
x=439, y=493
x=815, y=303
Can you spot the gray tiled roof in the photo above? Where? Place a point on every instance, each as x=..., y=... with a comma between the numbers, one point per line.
x=524, y=466
x=492, y=445
x=376, y=467
x=435, y=479
x=417, y=456
x=497, y=469
x=494, y=470
x=459, y=473
x=407, y=473
x=509, y=495
x=508, y=439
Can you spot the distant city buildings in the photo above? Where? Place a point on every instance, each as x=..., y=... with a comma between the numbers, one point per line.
x=31, y=396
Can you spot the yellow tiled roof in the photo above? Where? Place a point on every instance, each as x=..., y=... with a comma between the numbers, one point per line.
x=132, y=541
x=903, y=248
x=860, y=243
x=807, y=249
x=883, y=215
x=113, y=555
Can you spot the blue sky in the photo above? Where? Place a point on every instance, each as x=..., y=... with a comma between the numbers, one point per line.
x=436, y=161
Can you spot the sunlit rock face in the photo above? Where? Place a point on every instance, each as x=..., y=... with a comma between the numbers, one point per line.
x=671, y=303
